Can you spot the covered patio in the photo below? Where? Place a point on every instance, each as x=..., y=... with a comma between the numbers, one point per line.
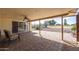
x=18, y=21
x=37, y=43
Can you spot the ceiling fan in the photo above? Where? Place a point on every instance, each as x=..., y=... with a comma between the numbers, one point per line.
x=26, y=18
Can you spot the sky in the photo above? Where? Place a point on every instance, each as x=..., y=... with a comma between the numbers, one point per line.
x=70, y=20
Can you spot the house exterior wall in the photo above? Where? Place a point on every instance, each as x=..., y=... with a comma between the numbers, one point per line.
x=6, y=21
x=0, y=22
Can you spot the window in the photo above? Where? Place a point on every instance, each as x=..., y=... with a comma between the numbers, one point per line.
x=21, y=25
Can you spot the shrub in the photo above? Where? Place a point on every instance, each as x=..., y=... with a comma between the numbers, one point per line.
x=73, y=28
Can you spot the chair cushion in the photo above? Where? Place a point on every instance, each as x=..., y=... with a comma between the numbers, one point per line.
x=13, y=37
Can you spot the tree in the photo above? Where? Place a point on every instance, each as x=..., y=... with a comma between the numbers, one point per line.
x=65, y=22
x=49, y=22
x=53, y=22
x=45, y=24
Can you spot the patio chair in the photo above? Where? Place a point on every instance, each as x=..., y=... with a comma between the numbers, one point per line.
x=11, y=37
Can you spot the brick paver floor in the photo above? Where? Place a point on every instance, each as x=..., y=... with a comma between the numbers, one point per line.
x=32, y=41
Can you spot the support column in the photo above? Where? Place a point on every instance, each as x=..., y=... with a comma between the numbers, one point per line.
x=29, y=26
x=77, y=18
x=39, y=28
x=62, y=26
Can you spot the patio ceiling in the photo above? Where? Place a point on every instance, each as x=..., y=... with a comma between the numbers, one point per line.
x=37, y=13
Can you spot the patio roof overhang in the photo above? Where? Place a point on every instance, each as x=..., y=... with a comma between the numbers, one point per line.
x=34, y=14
